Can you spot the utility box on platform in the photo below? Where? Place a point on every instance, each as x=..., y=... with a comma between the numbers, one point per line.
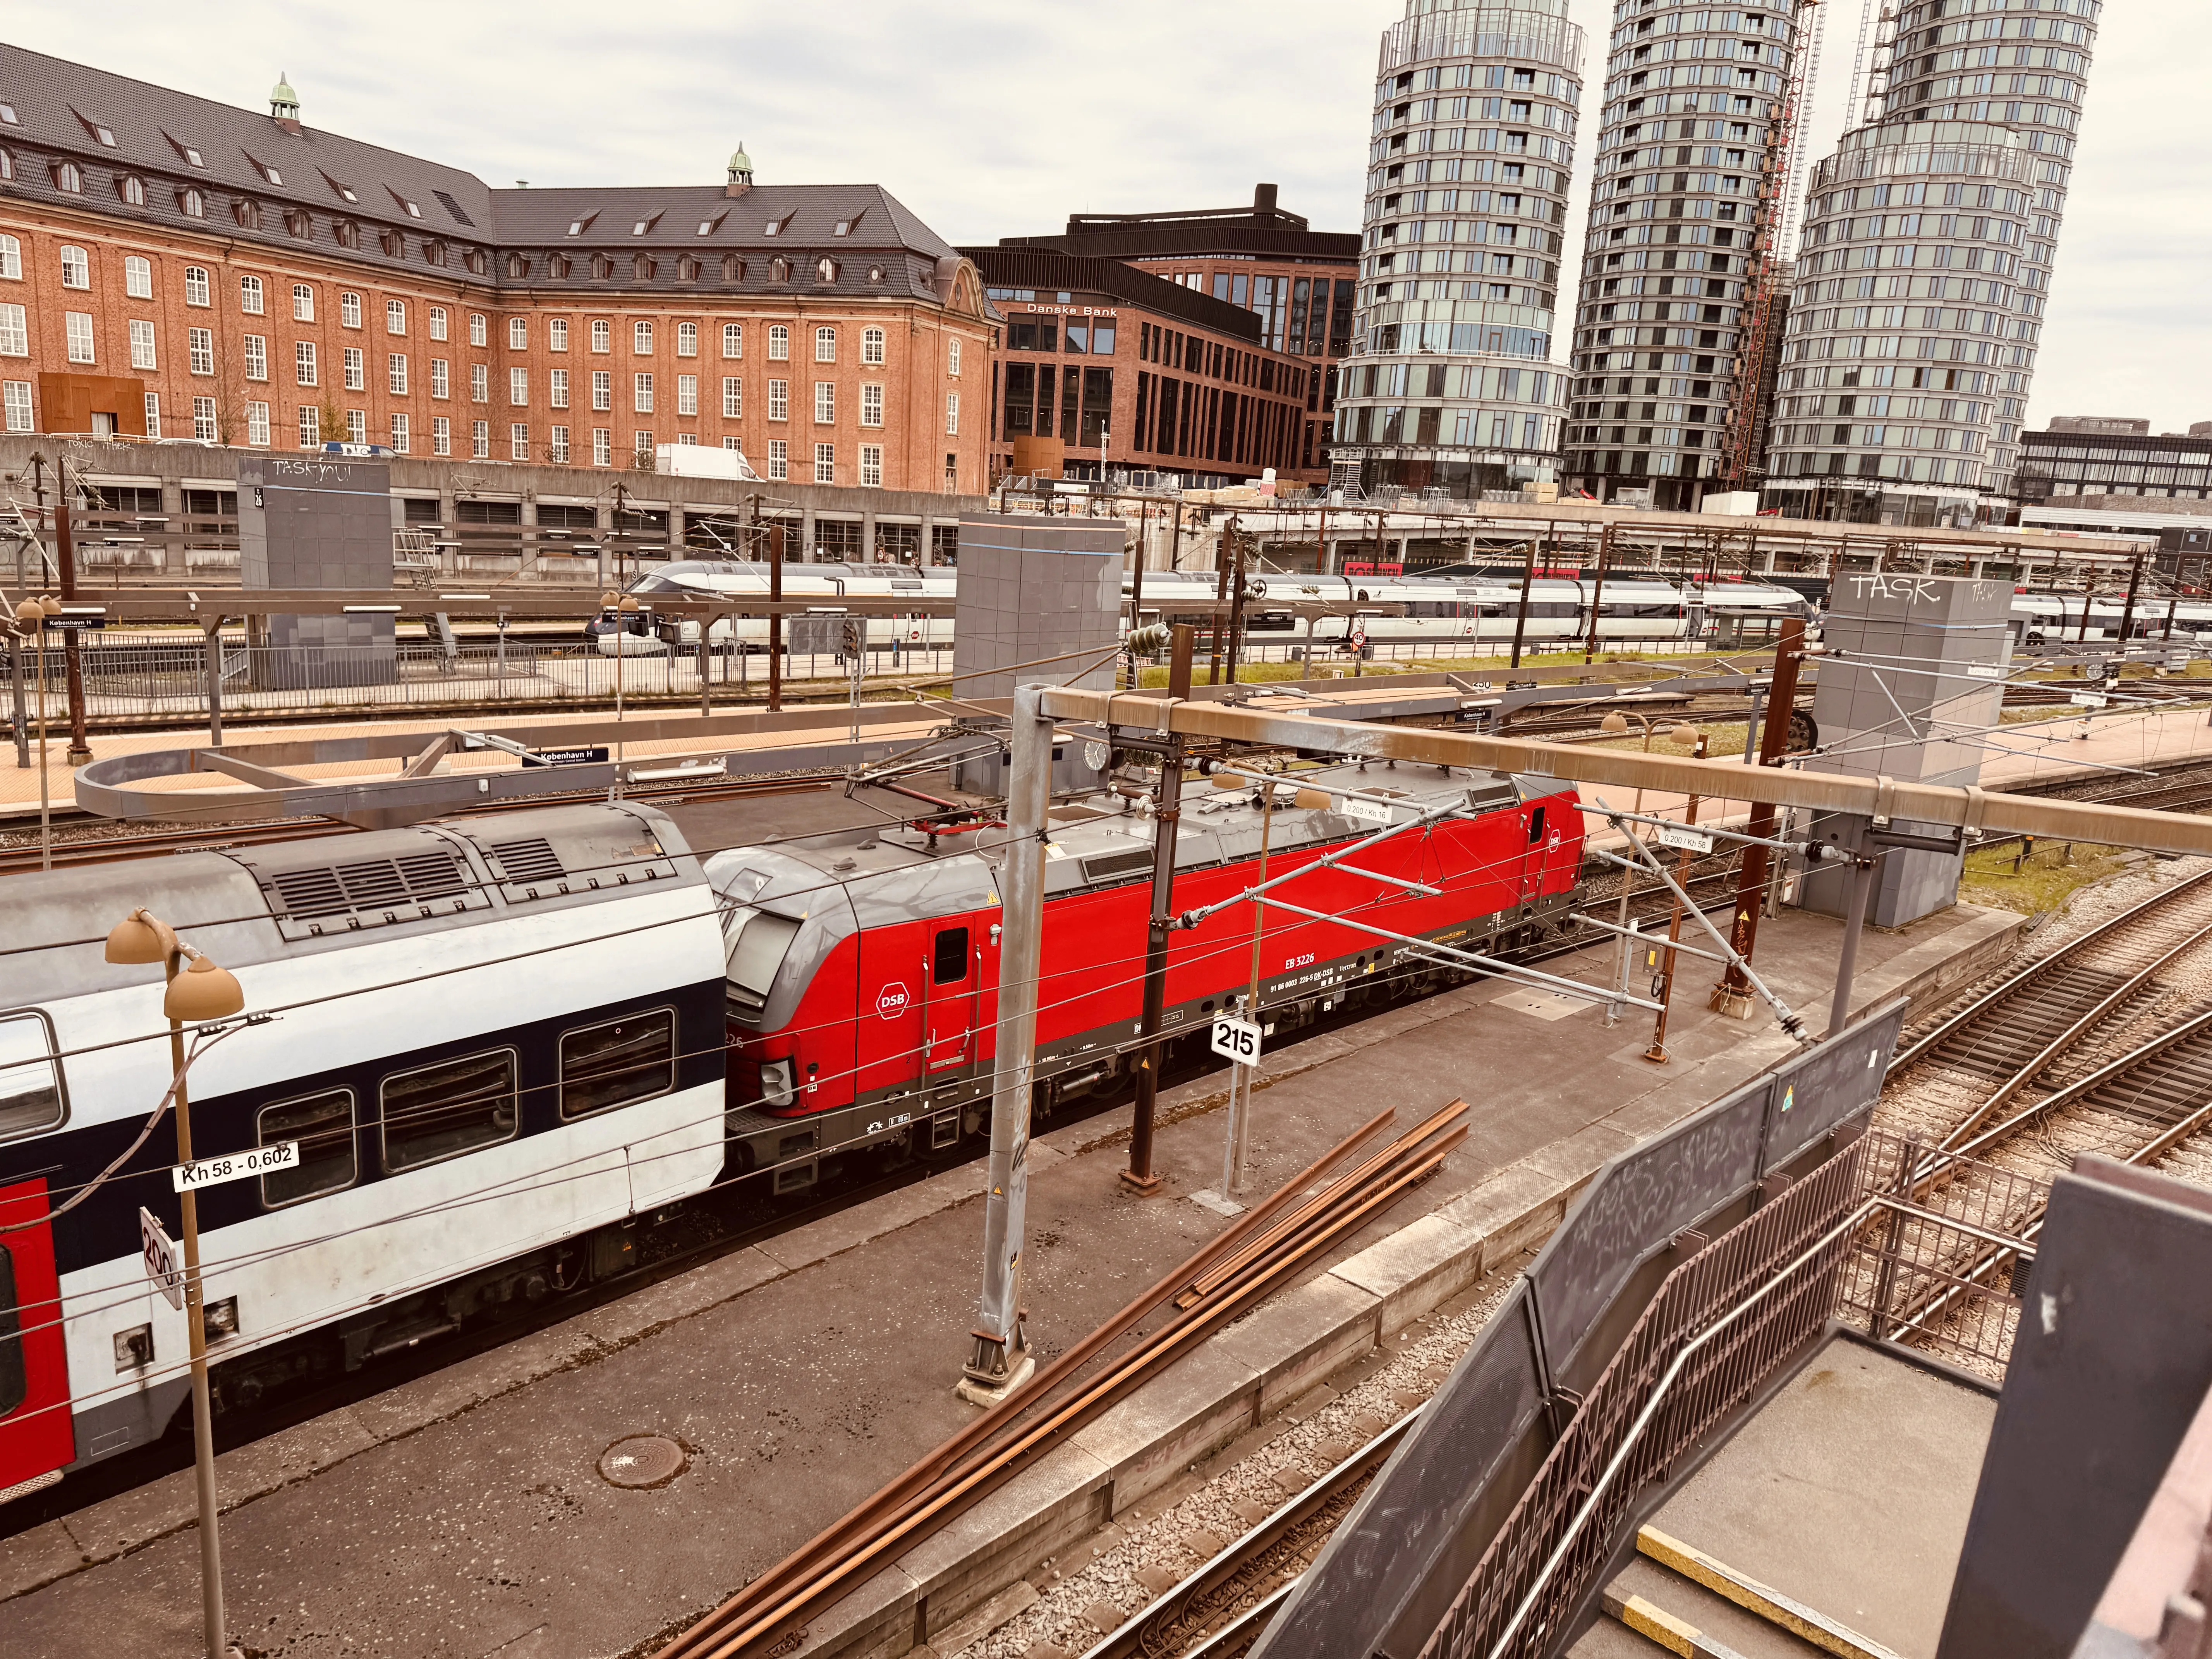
x=1911, y=681
x=1045, y=592
x=304, y=522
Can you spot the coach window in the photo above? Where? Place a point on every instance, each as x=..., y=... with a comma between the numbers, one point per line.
x=31, y=1096
x=441, y=1111
x=1536, y=826
x=758, y=941
x=614, y=1064
x=323, y=1125
x=950, y=965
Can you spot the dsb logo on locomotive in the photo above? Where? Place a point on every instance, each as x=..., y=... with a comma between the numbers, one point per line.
x=891, y=1002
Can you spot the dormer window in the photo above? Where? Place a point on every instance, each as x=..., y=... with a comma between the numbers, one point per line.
x=68, y=178
x=191, y=203
x=408, y=207
x=187, y=152
x=248, y=213
x=346, y=233
x=104, y=136
x=8, y=116
x=844, y=227
x=578, y=227
x=825, y=269
x=644, y=225
x=517, y=265
x=779, y=270
x=132, y=189
x=708, y=227
x=345, y=191
x=875, y=273
x=267, y=172
x=775, y=227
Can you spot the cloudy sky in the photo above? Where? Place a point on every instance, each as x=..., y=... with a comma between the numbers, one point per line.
x=991, y=118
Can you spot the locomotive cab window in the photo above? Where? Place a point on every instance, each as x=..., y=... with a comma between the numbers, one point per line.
x=441, y=1111
x=31, y=1097
x=949, y=966
x=14, y=1383
x=618, y=1062
x=323, y=1125
x=758, y=942
x=1536, y=826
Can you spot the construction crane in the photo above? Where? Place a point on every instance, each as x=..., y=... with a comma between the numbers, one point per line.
x=1765, y=270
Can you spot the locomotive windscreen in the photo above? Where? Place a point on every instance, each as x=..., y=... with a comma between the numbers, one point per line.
x=758, y=941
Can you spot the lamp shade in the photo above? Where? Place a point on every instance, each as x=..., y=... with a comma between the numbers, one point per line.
x=1684, y=734
x=30, y=614
x=203, y=991
x=140, y=938
x=1614, y=722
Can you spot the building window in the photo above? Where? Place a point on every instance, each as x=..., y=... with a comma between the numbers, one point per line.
x=399, y=431
x=517, y=334
x=479, y=383
x=951, y=414
x=825, y=464
x=67, y=177
x=603, y=389
x=872, y=406
x=437, y=322
x=356, y=369
x=199, y=350
x=779, y=400
x=778, y=460
x=557, y=388
x=356, y=426
x=779, y=343
x=872, y=465
x=602, y=335
x=142, y=345
x=303, y=362
x=196, y=286
x=733, y=340
x=641, y=393
x=640, y=339
x=153, y=414
x=687, y=339
x=442, y=435
x=556, y=334
x=557, y=446
x=257, y=356
x=440, y=384
x=395, y=316
x=480, y=440
x=303, y=303
x=349, y=310
x=15, y=333
x=311, y=426
x=952, y=357
x=602, y=447
x=204, y=427
x=687, y=394
x=78, y=327
x=16, y=396
x=138, y=277
x=640, y=445
x=76, y=268
x=11, y=267
x=250, y=295
x=257, y=425
x=733, y=398
x=825, y=345
x=518, y=387
x=517, y=442
x=872, y=345
x=825, y=403
x=479, y=329
x=396, y=367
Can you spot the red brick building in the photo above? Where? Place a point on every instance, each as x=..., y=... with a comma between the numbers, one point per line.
x=172, y=267
x=1176, y=381
x=1297, y=280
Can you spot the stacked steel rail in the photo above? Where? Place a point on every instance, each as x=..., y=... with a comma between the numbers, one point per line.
x=1256, y=1255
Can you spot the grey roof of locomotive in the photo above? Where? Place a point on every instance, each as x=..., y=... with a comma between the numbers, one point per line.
x=275, y=900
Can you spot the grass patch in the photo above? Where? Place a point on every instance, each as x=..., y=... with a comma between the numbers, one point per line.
x=2045, y=880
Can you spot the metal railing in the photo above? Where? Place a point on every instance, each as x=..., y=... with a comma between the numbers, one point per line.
x=1875, y=1236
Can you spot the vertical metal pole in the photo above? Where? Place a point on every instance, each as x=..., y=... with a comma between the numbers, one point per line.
x=212, y=657
x=1000, y=1358
x=1597, y=592
x=45, y=795
x=1839, y=1011
x=706, y=658
x=1137, y=588
x=1236, y=600
x=1656, y=1053
x=1733, y=993
x=2128, y=610
x=775, y=618
x=196, y=1337
x=1521, y=615
x=1166, y=815
x=1240, y=1093
x=80, y=752
x=1220, y=611
x=22, y=721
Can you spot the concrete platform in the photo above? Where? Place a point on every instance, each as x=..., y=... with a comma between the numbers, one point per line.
x=1849, y=1492
x=461, y=1513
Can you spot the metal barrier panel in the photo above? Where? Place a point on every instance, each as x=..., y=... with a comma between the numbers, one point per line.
x=1827, y=1086
x=1421, y=1503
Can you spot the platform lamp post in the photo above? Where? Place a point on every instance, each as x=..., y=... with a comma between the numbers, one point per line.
x=624, y=605
x=1656, y=1053
x=34, y=614
x=197, y=990
x=1614, y=723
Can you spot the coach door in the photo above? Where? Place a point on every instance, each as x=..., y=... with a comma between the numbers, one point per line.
x=1538, y=832
x=955, y=986
x=36, y=1438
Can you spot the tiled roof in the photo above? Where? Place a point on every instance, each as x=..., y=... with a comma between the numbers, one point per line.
x=60, y=105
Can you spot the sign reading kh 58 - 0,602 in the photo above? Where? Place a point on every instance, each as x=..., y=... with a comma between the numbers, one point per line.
x=236, y=1166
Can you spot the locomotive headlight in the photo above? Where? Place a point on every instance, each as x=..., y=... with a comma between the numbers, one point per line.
x=776, y=1082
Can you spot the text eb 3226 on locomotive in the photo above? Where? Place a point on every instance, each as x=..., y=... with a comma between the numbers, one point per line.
x=500, y=1043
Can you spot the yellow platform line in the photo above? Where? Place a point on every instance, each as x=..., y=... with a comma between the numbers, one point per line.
x=1754, y=1597
x=1675, y=1635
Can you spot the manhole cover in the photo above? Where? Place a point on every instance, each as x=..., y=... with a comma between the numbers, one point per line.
x=642, y=1460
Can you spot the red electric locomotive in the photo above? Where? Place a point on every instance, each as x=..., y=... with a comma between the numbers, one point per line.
x=862, y=969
